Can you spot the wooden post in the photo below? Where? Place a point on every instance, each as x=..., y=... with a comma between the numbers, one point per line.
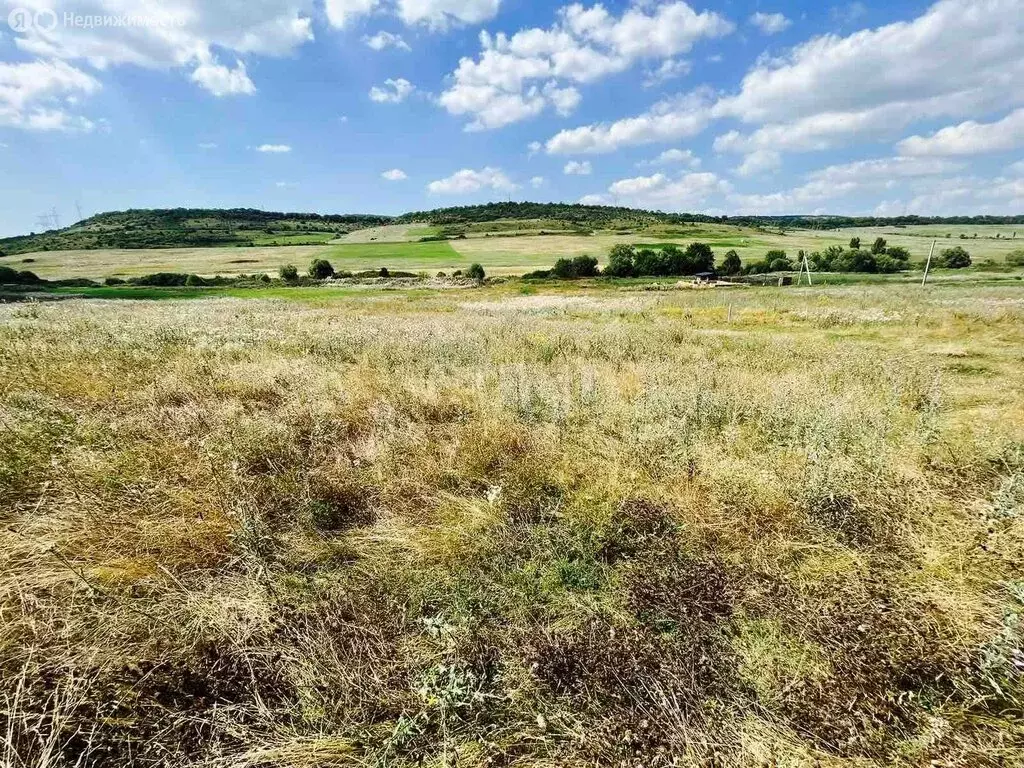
x=730, y=315
x=928, y=265
x=807, y=266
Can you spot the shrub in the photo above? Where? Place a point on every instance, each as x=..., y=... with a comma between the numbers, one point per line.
x=1015, y=258
x=476, y=272
x=698, y=257
x=383, y=272
x=580, y=266
x=194, y=280
x=288, y=273
x=898, y=253
x=854, y=243
x=878, y=246
x=954, y=258
x=113, y=281
x=854, y=261
x=13, y=276
x=649, y=262
x=780, y=265
x=321, y=269
x=620, y=261
x=161, y=279
x=731, y=264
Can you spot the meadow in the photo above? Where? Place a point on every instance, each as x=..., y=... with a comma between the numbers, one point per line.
x=515, y=526
x=495, y=245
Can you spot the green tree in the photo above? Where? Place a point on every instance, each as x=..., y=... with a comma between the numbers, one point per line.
x=620, y=261
x=580, y=266
x=475, y=272
x=699, y=258
x=320, y=269
x=731, y=264
x=854, y=243
x=878, y=246
x=288, y=273
x=955, y=258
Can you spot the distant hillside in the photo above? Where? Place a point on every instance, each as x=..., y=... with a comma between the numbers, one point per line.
x=200, y=227
x=192, y=227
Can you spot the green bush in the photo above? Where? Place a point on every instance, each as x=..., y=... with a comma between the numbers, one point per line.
x=954, y=258
x=731, y=264
x=475, y=272
x=161, y=280
x=1015, y=258
x=113, y=281
x=620, y=261
x=288, y=273
x=194, y=280
x=321, y=269
x=878, y=246
x=580, y=266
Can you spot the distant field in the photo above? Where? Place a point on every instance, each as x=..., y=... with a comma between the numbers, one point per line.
x=397, y=247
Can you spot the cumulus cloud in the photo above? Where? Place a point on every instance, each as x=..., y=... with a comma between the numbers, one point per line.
x=274, y=149
x=537, y=182
x=675, y=156
x=758, y=162
x=395, y=174
x=669, y=69
x=686, y=191
x=394, y=91
x=383, y=40
x=184, y=35
x=770, y=23
x=969, y=138
x=517, y=77
x=576, y=168
x=668, y=120
x=341, y=12
x=441, y=14
x=35, y=96
x=468, y=180
x=834, y=182
x=222, y=81
x=832, y=90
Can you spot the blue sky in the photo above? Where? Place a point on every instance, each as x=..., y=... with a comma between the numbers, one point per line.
x=394, y=105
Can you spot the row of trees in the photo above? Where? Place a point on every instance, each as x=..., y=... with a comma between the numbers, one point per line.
x=322, y=269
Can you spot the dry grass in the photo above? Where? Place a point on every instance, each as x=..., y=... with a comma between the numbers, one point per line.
x=538, y=531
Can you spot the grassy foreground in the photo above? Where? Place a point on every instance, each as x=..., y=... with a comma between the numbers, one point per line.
x=478, y=528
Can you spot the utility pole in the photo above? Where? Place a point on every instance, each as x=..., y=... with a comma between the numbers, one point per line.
x=56, y=217
x=928, y=265
x=805, y=267
x=43, y=221
x=78, y=207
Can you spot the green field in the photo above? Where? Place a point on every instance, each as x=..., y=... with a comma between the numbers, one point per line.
x=396, y=247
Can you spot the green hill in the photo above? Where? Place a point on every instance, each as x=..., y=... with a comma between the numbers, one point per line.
x=201, y=227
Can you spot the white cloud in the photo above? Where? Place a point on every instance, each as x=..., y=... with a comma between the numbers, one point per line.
x=593, y=200
x=770, y=23
x=669, y=120
x=395, y=174
x=576, y=168
x=969, y=138
x=1017, y=168
x=207, y=145
x=533, y=148
x=843, y=181
x=831, y=90
x=684, y=192
x=517, y=77
x=383, y=40
x=341, y=12
x=395, y=91
x=33, y=96
x=274, y=149
x=467, y=181
x=537, y=182
x=221, y=81
x=184, y=35
x=669, y=69
x=286, y=184
x=670, y=156
x=759, y=161
x=441, y=14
